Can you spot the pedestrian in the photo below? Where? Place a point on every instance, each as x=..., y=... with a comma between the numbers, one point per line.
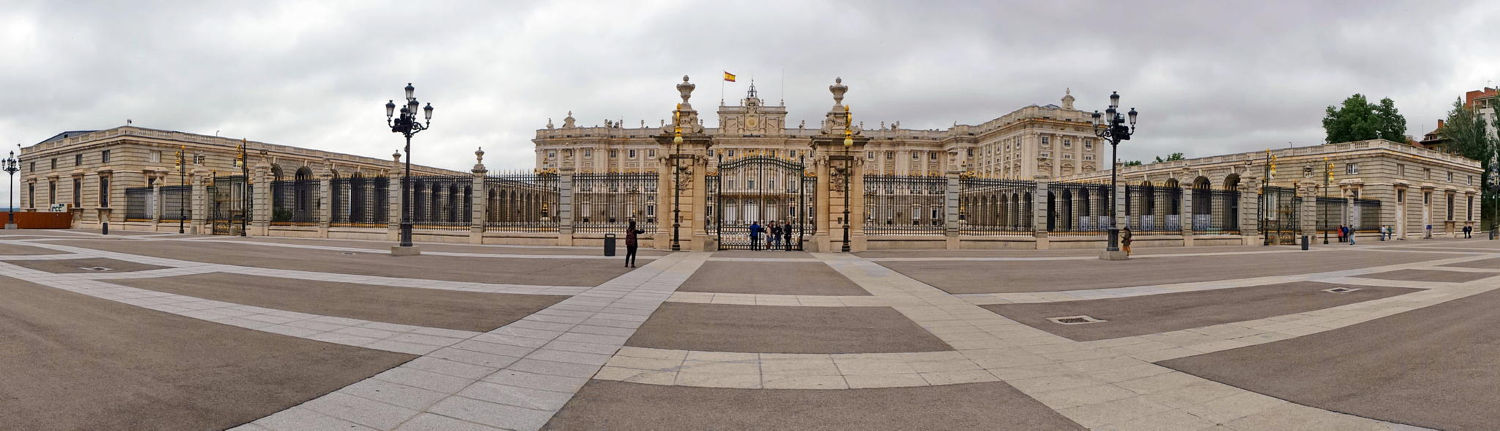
x=1382, y=233
x=1350, y=235
x=1341, y=233
x=755, y=235
x=631, y=243
x=786, y=233
x=1468, y=230
x=774, y=239
x=1125, y=239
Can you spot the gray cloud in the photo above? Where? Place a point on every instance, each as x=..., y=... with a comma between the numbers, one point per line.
x=1208, y=77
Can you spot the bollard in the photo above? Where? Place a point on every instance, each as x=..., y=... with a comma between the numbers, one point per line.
x=609, y=244
x=106, y=228
x=1304, y=242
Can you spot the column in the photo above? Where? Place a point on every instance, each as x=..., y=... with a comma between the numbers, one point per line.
x=157, y=206
x=1185, y=216
x=564, y=207
x=1039, y=214
x=1308, y=213
x=477, y=199
x=1249, y=204
x=260, y=199
x=393, y=213
x=324, y=203
x=1118, y=196
x=200, y=201
x=950, y=210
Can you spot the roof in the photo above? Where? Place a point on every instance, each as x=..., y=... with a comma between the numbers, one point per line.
x=66, y=134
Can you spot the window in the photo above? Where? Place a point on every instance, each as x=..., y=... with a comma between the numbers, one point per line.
x=1088, y=157
x=77, y=193
x=1067, y=143
x=33, y=167
x=1450, y=176
x=1400, y=196
x=792, y=153
x=630, y=154
x=155, y=157
x=1470, y=211
x=104, y=156
x=1068, y=156
x=1088, y=144
x=710, y=153
x=52, y=191
x=1046, y=154
x=551, y=154
x=77, y=160
x=1471, y=180
x=932, y=155
x=916, y=155
x=1426, y=198
x=104, y=192
x=650, y=153
x=1450, y=207
x=588, y=153
x=870, y=155
x=731, y=152
x=568, y=153
x=199, y=159
x=31, y=192
x=1351, y=169
x=1400, y=170
x=969, y=152
x=650, y=210
x=54, y=163
x=1044, y=141
x=1427, y=173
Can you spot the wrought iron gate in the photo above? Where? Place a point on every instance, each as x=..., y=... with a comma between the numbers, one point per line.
x=229, y=205
x=760, y=189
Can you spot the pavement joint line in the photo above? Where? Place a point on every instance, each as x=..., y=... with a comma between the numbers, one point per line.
x=548, y=358
x=377, y=251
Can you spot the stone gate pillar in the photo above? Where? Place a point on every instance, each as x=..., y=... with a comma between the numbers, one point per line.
x=1308, y=213
x=950, y=210
x=394, y=211
x=260, y=198
x=478, y=199
x=564, y=207
x=837, y=161
x=325, y=200
x=1249, y=223
x=200, y=200
x=1185, y=217
x=1039, y=214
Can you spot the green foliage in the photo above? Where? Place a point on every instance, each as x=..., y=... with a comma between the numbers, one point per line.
x=281, y=214
x=1129, y=163
x=1357, y=119
x=1170, y=158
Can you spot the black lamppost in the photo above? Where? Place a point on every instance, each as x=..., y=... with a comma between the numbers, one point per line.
x=10, y=165
x=1327, y=178
x=243, y=162
x=1111, y=126
x=182, y=188
x=676, y=176
x=848, y=170
x=407, y=125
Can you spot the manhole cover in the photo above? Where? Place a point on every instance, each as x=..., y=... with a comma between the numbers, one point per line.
x=1341, y=289
x=94, y=268
x=347, y=253
x=1075, y=320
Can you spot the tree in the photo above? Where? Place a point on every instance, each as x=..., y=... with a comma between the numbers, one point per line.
x=1170, y=158
x=1129, y=163
x=1467, y=136
x=1357, y=119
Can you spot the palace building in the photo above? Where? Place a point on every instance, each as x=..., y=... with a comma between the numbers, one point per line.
x=1034, y=142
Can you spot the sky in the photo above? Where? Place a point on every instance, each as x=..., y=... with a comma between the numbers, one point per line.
x=1207, y=77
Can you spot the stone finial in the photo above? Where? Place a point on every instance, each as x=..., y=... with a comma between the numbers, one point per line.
x=479, y=155
x=396, y=156
x=568, y=121
x=549, y=123
x=686, y=88
x=1067, y=100
x=838, y=89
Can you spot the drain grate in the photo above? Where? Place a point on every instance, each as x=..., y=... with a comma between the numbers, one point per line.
x=1341, y=289
x=1075, y=320
x=95, y=268
x=347, y=253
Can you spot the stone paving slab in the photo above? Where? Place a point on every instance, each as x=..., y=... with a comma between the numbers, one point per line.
x=1432, y=367
x=746, y=328
x=771, y=278
x=74, y=266
x=1493, y=264
x=1431, y=275
x=1143, y=315
x=960, y=277
x=75, y=362
x=977, y=406
x=22, y=250
x=569, y=272
x=468, y=311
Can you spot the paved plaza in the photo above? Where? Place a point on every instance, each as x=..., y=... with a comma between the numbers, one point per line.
x=166, y=331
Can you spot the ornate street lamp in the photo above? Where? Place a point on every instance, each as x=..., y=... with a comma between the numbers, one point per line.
x=407, y=125
x=11, y=165
x=1111, y=126
x=182, y=188
x=242, y=161
x=676, y=176
x=848, y=170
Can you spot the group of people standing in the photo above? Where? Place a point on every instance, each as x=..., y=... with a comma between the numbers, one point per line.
x=778, y=235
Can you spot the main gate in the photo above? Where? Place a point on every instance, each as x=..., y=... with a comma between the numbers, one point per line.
x=229, y=205
x=759, y=189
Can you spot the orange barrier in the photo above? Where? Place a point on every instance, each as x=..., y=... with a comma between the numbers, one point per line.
x=41, y=220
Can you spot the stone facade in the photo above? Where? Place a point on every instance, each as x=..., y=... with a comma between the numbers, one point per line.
x=1034, y=142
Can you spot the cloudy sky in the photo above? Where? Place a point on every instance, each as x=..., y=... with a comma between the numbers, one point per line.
x=1207, y=77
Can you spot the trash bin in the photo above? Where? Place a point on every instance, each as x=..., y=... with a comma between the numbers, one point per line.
x=1304, y=242
x=609, y=244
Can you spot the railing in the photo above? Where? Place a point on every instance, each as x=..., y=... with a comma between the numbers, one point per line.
x=360, y=201
x=904, y=205
x=605, y=203
x=995, y=207
x=1367, y=215
x=521, y=202
x=442, y=202
x=294, y=203
x=1216, y=211
x=1077, y=208
x=139, y=204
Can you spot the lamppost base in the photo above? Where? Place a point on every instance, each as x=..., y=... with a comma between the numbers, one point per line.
x=10, y=226
x=397, y=250
x=1113, y=255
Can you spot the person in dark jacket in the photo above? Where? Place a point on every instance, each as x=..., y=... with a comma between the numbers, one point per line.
x=786, y=232
x=774, y=237
x=1125, y=239
x=755, y=235
x=631, y=244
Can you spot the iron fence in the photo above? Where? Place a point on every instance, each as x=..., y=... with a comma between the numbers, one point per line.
x=359, y=201
x=442, y=202
x=1280, y=212
x=177, y=203
x=1367, y=215
x=605, y=203
x=521, y=202
x=904, y=205
x=995, y=207
x=1216, y=211
x=760, y=190
x=1077, y=209
x=295, y=203
x=140, y=204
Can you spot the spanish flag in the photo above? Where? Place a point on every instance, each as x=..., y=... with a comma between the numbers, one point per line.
x=728, y=76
